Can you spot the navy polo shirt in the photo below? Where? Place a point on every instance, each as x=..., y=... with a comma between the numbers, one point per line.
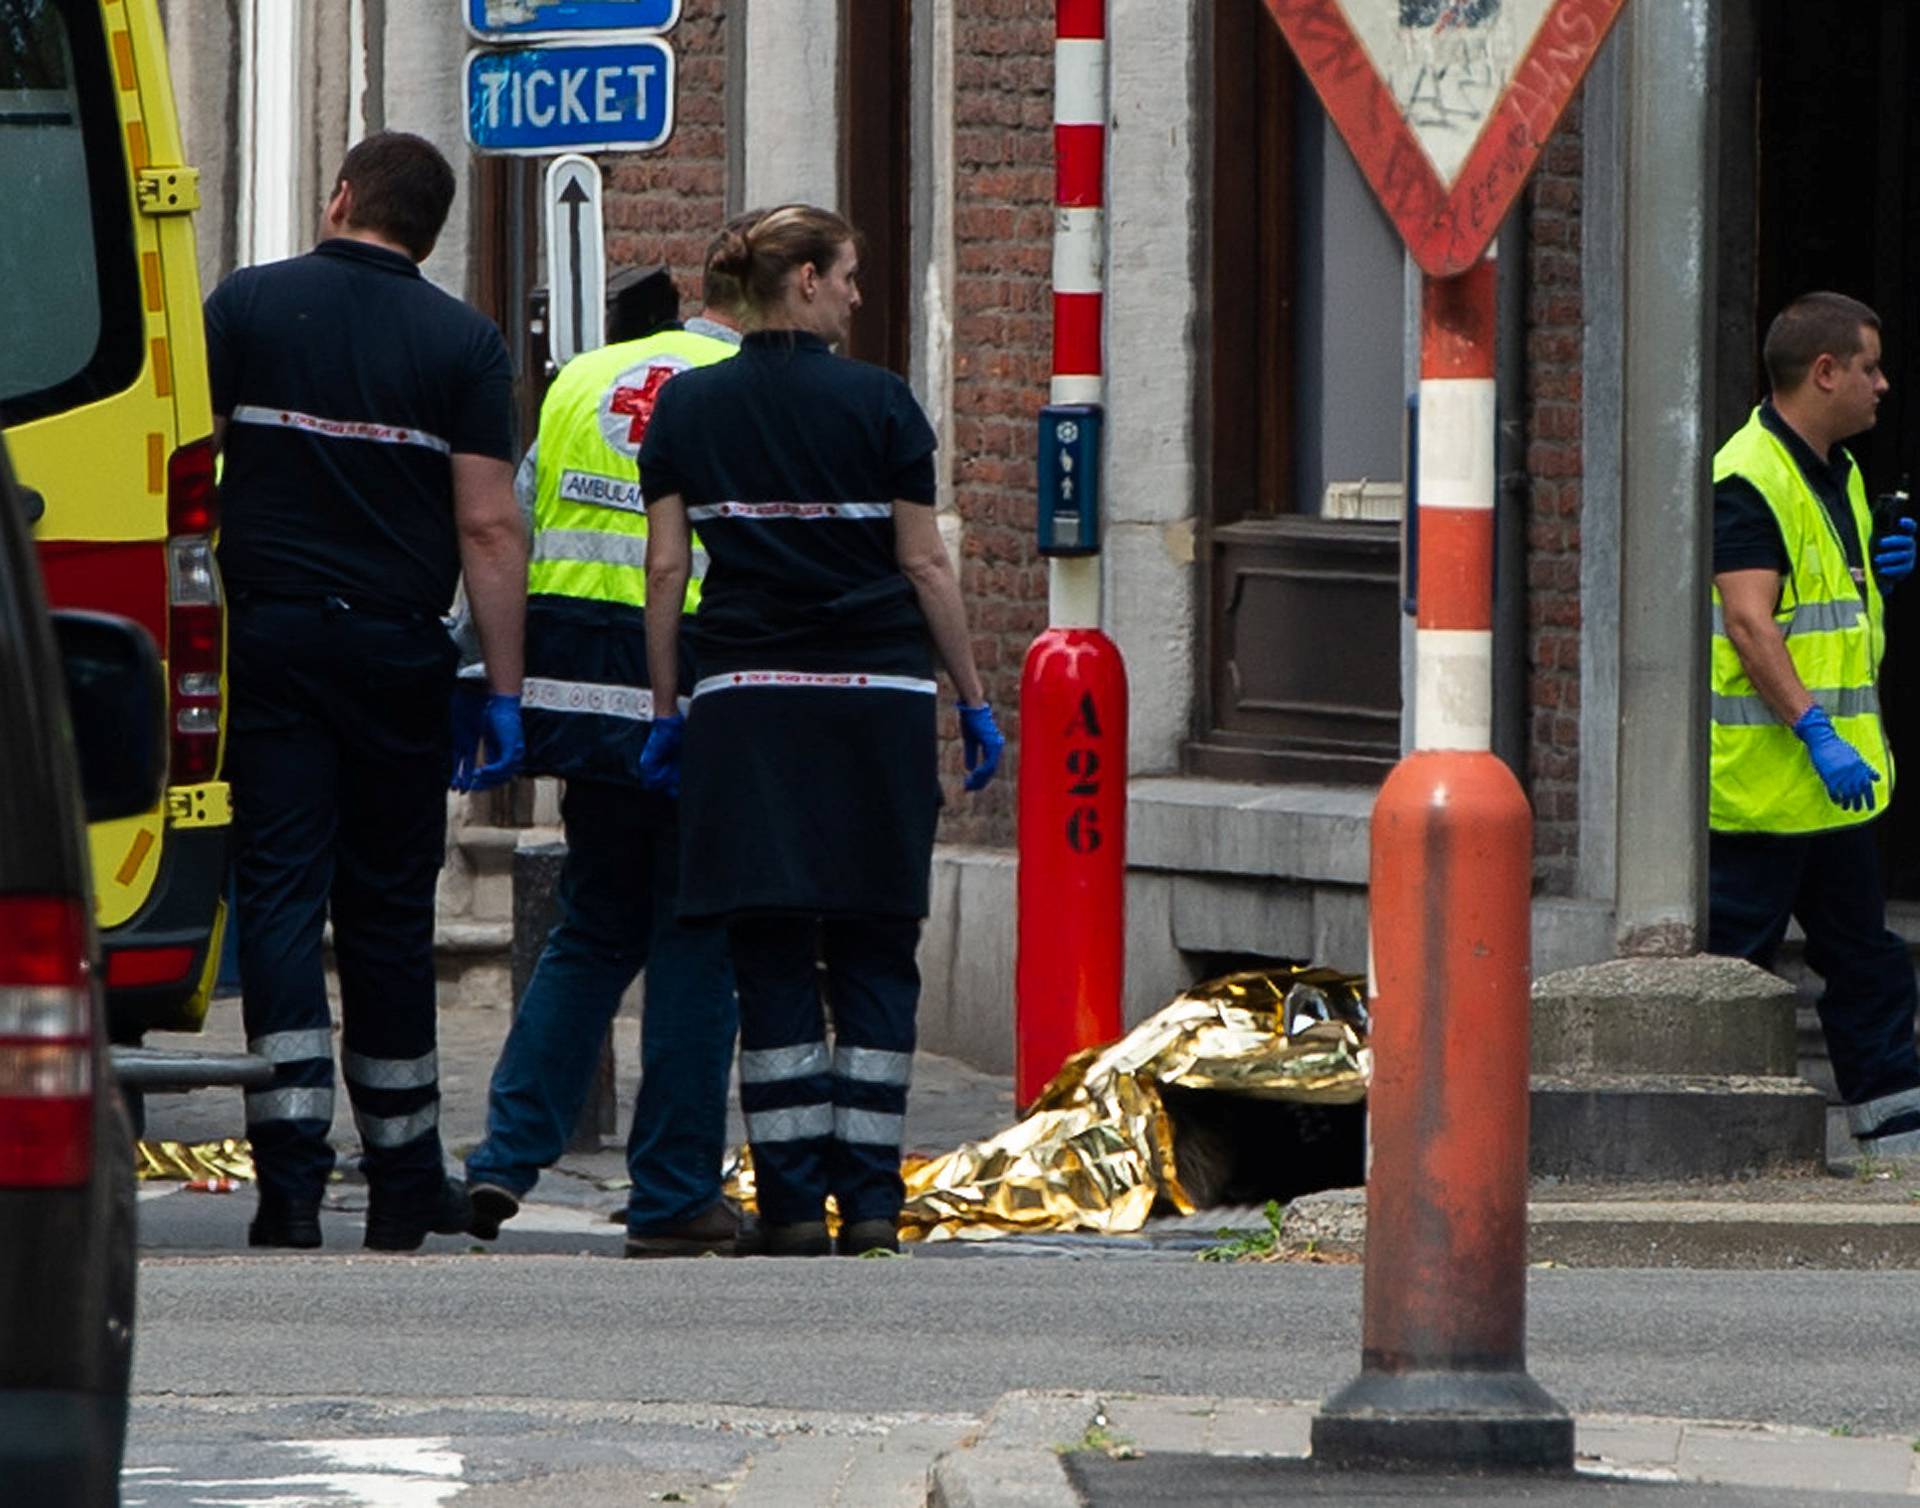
x=349, y=382
x=1746, y=535
x=789, y=460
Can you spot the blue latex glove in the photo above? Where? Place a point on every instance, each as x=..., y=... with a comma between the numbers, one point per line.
x=1849, y=778
x=1893, y=554
x=469, y=717
x=983, y=743
x=660, y=759
x=502, y=738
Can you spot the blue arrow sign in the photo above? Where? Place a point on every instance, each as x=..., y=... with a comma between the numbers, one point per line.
x=600, y=97
x=525, y=20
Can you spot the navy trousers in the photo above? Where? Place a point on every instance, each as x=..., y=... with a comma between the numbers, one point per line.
x=826, y=1122
x=1829, y=882
x=616, y=918
x=339, y=755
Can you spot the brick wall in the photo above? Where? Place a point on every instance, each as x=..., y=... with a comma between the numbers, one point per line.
x=1003, y=342
x=1554, y=466
x=665, y=206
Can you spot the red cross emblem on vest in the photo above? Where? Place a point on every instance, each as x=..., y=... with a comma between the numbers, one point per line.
x=638, y=402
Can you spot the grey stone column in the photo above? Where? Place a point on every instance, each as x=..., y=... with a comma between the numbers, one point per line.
x=787, y=112
x=536, y=907
x=1666, y=519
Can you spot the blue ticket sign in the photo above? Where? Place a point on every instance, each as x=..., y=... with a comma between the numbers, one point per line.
x=525, y=20
x=598, y=97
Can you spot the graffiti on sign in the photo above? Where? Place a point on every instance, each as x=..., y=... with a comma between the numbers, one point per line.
x=1445, y=103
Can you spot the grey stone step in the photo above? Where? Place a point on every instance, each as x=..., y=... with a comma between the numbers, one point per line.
x=1665, y=1126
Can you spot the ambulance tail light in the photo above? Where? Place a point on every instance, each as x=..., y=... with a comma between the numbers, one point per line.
x=46, y=1044
x=196, y=644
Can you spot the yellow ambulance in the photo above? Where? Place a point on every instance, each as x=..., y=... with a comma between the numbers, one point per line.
x=104, y=406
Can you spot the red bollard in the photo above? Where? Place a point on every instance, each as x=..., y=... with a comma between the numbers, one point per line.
x=1073, y=852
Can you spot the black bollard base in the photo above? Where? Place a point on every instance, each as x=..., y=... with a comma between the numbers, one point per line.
x=1476, y=1421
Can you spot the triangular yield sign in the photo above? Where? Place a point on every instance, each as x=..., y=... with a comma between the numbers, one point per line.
x=1445, y=103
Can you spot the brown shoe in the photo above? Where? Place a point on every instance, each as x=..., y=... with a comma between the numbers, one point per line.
x=707, y=1235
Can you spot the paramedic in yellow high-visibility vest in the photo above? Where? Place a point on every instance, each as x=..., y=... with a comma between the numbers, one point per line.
x=1801, y=766
x=587, y=711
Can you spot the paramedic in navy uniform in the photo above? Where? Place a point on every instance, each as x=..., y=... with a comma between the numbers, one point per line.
x=811, y=783
x=368, y=427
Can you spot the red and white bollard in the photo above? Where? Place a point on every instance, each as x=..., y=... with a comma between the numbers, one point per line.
x=1443, y=1377
x=1069, y=975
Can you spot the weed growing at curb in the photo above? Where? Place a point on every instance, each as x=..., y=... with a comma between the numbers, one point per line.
x=1241, y=1246
x=1100, y=1437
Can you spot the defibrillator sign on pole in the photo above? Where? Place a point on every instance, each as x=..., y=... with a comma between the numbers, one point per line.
x=1446, y=105
x=576, y=258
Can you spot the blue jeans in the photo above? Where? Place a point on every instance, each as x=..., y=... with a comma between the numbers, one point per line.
x=617, y=894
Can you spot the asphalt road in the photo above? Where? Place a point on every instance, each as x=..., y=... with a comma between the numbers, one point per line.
x=1828, y=1350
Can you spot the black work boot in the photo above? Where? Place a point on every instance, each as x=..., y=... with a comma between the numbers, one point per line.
x=278, y=1223
x=449, y=1213
x=493, y=1206
x=862, y=1236
x=809, y=1238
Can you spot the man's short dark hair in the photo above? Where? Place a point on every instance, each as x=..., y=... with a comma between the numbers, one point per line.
x=402, y=189
x=1812, y=326
x=641, y=301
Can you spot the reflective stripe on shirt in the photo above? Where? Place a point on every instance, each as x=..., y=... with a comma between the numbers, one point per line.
x=338, y=429
x=806, y=513
x=796, y=680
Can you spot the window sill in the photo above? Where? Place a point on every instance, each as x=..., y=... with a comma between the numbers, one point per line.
x=1312, y=833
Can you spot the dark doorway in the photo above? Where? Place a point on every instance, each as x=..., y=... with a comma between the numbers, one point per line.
x=1819, y=145
x=876, y=170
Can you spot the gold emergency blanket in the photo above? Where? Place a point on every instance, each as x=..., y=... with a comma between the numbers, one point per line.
x=1095, y=1152
x=201, y=1162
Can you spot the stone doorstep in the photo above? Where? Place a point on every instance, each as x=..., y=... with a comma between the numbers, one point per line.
x=1704, y=1016
x=1666, y=1233
x=1016, y=1457
x=1674, y=1127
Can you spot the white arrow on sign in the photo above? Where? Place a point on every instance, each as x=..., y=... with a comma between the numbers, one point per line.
x=576, y=258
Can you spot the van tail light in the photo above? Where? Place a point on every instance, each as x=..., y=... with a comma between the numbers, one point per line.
x=195, y=632
x=46, y=1044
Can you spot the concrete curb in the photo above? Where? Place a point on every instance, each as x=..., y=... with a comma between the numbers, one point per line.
x=1017, y=1458
x=1667, y=1233
x=1014, y=1461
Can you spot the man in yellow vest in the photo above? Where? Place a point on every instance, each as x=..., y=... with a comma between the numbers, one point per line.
x=1801, y=765
x=587, y=711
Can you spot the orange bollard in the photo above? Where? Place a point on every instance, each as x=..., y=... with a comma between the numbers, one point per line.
x=1072, y=835
x=1443, y=1373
